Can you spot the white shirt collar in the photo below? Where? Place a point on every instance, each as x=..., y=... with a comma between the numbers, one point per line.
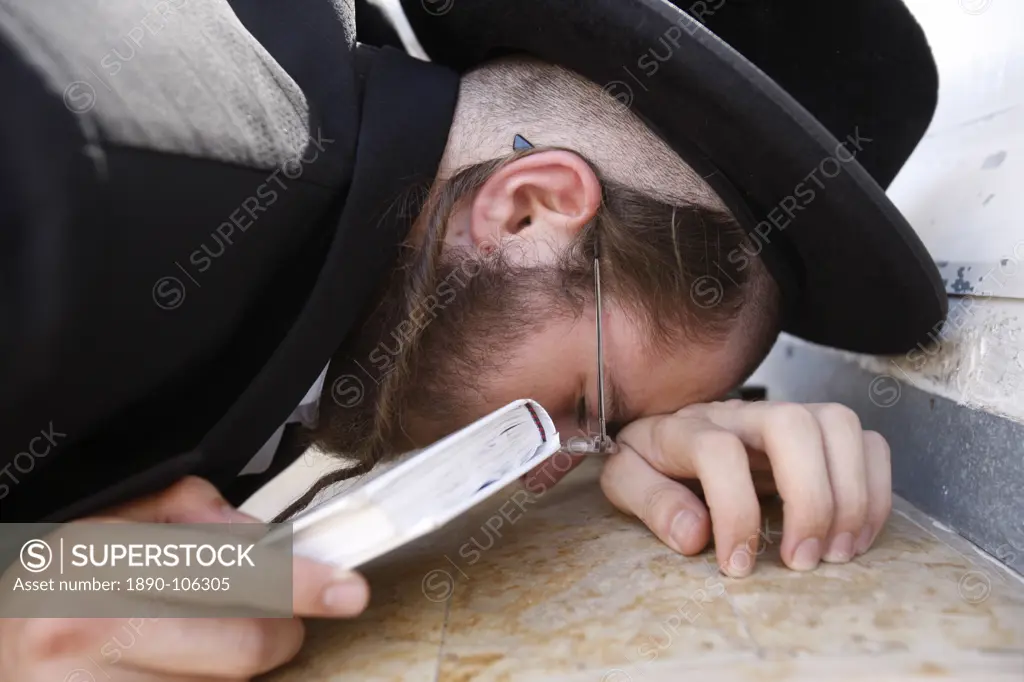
x=306, y=413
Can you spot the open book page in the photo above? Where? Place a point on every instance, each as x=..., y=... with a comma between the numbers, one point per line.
x=427, y=490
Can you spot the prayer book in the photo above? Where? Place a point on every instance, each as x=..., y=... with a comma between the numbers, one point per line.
x=381, y=513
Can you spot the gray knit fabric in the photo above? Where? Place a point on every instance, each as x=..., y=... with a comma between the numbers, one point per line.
x=179, y=76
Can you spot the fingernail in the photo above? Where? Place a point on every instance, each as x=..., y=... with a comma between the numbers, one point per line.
x=346, y=595
x=864, y=539
x=232, y=515
x=682, y=527
x=741, y=563
x=807, y=555
x=841, y=549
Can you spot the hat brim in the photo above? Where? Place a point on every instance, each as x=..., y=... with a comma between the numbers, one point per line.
x=855, y=274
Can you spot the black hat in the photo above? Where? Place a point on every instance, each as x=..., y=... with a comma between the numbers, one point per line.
x=798, y=112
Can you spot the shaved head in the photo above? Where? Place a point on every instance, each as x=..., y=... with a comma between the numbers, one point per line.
x=552, y=106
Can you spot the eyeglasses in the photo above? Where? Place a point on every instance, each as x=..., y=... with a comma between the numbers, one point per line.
x=599, y=443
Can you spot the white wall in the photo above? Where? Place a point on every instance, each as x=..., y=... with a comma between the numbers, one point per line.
x=962, y=190
x=962, y=187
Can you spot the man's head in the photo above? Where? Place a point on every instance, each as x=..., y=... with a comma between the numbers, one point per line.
x=493, y=299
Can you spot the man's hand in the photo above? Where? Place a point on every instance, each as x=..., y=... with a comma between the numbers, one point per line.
x=833, y=477
x=177, y=650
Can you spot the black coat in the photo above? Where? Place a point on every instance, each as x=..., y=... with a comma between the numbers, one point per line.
x=194, y=210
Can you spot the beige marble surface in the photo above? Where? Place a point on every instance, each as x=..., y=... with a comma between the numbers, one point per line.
x=563, y=587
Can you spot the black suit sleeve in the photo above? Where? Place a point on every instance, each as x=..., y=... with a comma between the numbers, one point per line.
x=170, y=178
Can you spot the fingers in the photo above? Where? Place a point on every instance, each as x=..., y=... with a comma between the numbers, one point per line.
x=147, y=649
x=879, y=485
x=190, y=500
x=125, y=674
x=669, y=509
x=317, y=589
x=844, y=455
x=791, y=438
x=90, y=669
x=690, y=447
x=834, y=478
x=132, y=675
x=44, y=639
x=322, y=591
x=261, y=581
x=190, y=648
x=234, y=648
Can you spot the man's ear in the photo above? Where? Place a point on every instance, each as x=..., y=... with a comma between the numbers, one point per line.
x=544, y=199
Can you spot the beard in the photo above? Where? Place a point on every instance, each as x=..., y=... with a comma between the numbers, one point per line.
x=444, y=324
x=418, y=368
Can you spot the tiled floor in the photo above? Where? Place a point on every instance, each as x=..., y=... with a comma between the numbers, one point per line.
x=562, y=587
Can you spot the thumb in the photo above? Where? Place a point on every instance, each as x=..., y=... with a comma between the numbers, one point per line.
x=190, y=500
x=320, y=590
